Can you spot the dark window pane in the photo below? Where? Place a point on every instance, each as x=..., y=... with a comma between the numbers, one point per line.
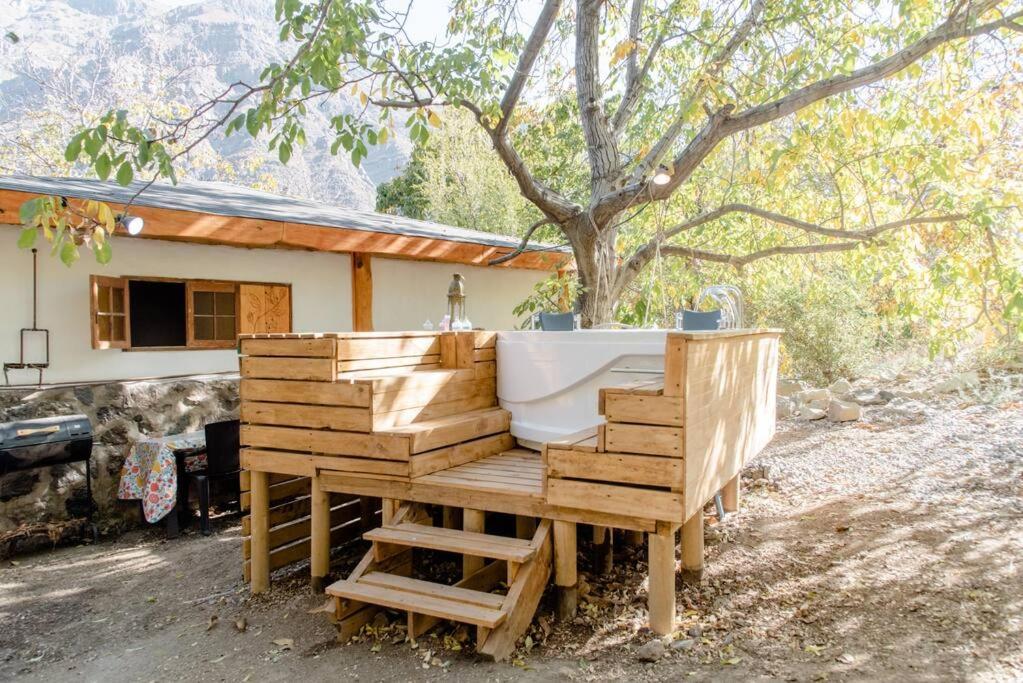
x=225, y=327
x=157, y=310
x=204, y=303
x=117, y=295
x=204, y=328
x=104, y=299
x=225, y=303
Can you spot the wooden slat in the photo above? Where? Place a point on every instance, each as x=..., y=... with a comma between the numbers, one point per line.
x=401, y=379
x=396, y=347
x=418, y=603
x=418, y=396
x=452, y=456
x=486, y=369
x=305, y=465
x=410, y=585
x=640, y=409
x=643, y=439
x=316, y=369
x=312, y=393
x=298, y=529
x=340, y=418
x=312, y=348
x=427, y=361
x=621, y=500
x=362, y=292
x=383, y=446
x=485, y=339
x=484, y=355
x=454, y=541
x=409, y=416
x=620, y=468
x=278, y=492
x=299, y=550
x=446, y=431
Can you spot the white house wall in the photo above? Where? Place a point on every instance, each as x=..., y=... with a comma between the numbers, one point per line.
x=407, y=293
x=321, y=300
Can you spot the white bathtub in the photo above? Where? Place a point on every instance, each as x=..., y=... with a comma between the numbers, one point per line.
x=549, y=381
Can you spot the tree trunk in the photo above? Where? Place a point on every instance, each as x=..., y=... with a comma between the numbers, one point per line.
x=597, y=268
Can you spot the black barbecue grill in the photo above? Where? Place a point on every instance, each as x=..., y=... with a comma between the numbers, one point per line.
x=47, y=441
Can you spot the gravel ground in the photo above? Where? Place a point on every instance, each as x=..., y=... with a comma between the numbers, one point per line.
x=889, y=548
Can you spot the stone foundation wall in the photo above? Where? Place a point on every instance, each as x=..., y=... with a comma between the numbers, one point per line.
x=121, y=413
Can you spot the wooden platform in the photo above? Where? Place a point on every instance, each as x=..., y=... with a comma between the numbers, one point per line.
x=412, y=419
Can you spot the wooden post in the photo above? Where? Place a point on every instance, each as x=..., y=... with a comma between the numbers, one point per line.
x=451, y=517
x=730, y=494
x=472, y=520
x=692, y=548
x=259, y=519
x=525, y=527
x=388, y=506
x=634, y=538
x=566, y=576
x=661, y=582
x=362, y=293
x=319, y=534
x=603, y=549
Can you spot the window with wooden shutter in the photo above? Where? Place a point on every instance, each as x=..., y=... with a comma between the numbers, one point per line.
x=212, y=311
x=109, y=310
x=264, y=308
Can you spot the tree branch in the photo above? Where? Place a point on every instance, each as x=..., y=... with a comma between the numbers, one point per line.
x=740, y=261
x=523, y=244
x=602, y=148
x=526, y=61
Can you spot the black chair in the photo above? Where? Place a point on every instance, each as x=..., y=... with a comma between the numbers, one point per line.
x=222, y=448
x=557, y=322
x=701, y=320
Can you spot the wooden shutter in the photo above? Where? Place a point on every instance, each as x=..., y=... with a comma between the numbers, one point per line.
x=264, y=308
x=211, y=314
x=108, y=307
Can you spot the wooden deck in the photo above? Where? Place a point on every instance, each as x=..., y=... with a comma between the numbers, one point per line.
x=412, y=420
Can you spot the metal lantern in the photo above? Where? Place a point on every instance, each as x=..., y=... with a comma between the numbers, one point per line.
x=456, y=302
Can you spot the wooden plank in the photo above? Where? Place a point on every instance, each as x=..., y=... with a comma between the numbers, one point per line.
x=278, y=492
x=465, y=352
x=481, y=355
x=445, y=431
x=350, y=368
x=260, y=539
x=448, y=350
x=692, y=547
x=484, y=339
x=299, y=550
x=362, y=293
x=409, y=585
x=383, y=446
x=261, y=367
x=661, y=591
x=640, y=409
x=473, y=521
x=298, y=529
x=383, y=422
x=459, y=454
x=730, y=494
x=356, y=394
x=339, y=418
x=389, y=347
x=486, y=369
x=419, y=603
x=623, y=468
x=295, y=348
x=403, y=379
x=418, y=396
x=674, y=365
x=305, y=465
x=621, y=500
x=643, y=439
x=464, y=542
x=244, y=479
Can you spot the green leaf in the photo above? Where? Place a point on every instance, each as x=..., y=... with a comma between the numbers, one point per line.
x=284, y=152
x=103, y=253
x=28, y=210
x=125, y=174
x=103, y=166
x=69, y=253
x=27, y=238
x=74, y=148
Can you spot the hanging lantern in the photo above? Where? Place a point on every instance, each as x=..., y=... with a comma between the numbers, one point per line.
x=456, y=304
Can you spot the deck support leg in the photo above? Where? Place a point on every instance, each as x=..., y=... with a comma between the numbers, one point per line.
x=451, y=517
x=566, y=575
x=260, y=523
x=661, y=582
x=692, y=548
x=603, y=549
x=634, y=538
x=525, y=527
x=730, y=494
x=472, y=520
x=388, y=506
x=319, y=534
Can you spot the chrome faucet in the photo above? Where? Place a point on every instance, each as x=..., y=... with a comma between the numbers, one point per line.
x=730, y=300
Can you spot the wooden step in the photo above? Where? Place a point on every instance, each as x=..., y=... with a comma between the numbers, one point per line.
x=452, y=429
x=433, y=599
x=453, y=541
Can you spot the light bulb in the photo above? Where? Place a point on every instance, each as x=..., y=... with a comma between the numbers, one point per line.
x=662, y=177
x=133, y=224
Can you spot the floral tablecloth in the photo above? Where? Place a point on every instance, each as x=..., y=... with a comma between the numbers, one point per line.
x=150, y=472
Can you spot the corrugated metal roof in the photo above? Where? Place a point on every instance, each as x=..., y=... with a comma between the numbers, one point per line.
x=225, y=199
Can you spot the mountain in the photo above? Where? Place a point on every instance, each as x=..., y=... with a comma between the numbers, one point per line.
x=75, y=59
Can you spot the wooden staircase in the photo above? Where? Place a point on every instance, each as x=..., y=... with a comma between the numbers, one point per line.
x=381, y=580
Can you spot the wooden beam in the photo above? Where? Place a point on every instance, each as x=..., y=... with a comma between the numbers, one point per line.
x=692, y=549
x=661, y=592
x=475, y=521
x=566, y=575
x=362, y=293
x=203, y=228
x=260, y=495
x=730, y=494
x=319, y=537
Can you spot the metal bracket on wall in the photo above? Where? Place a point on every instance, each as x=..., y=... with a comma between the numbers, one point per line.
x=26, y=331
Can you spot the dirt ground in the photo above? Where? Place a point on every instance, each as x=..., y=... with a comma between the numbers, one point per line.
x=890, y=548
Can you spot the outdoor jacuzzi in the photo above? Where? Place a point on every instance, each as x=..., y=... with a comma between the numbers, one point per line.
x=549, y=381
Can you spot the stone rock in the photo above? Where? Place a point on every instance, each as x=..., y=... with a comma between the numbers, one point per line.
x=870, y=397
x=810, y=395
x=651, y=651
x=840, y=387
x=812, y=413
x=820, y=404
x=786, y=407
x=844, y=411
x=695, y=631
x=790, y=387
x=683, y=645
x=960, y=382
